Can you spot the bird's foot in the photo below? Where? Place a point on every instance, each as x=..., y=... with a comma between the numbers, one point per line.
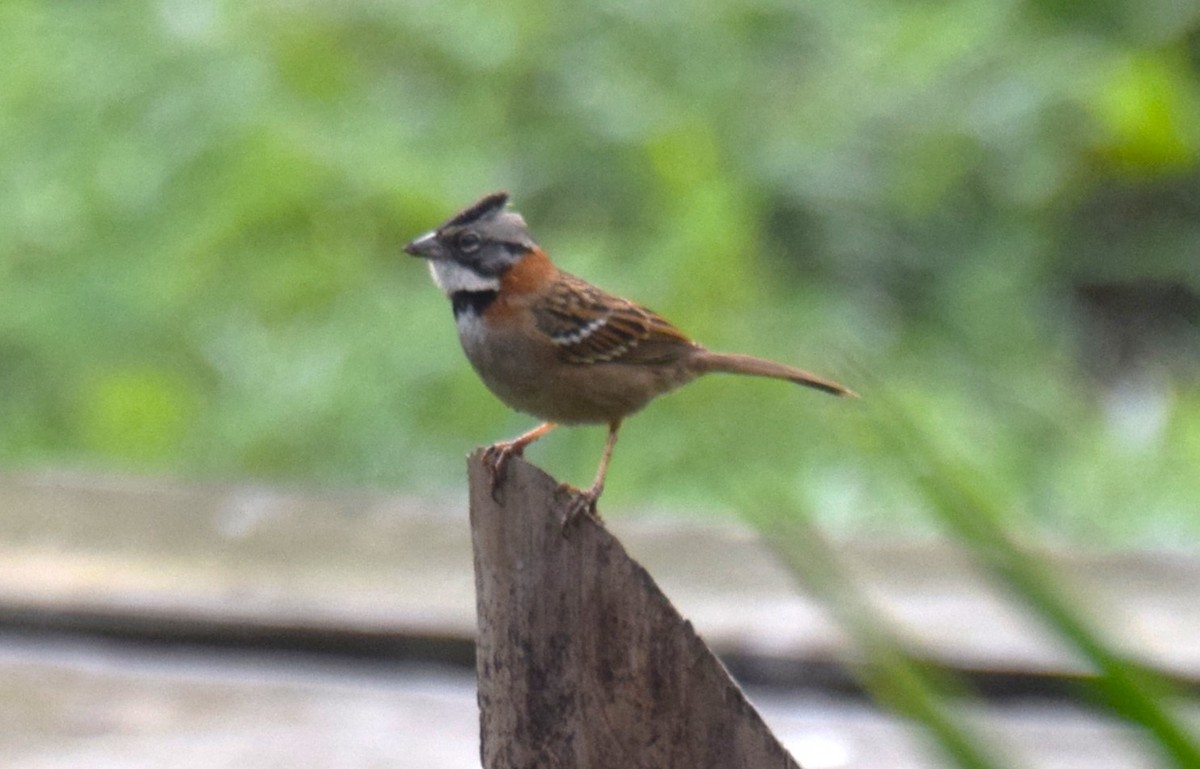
x=495, y=458
x=580, y=503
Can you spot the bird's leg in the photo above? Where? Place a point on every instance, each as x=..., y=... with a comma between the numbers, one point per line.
x=587, y=500
x=496, y=456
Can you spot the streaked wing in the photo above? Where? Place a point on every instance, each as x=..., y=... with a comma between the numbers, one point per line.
x=588, y=325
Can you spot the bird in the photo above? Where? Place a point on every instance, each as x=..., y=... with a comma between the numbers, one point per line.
x=554, y=346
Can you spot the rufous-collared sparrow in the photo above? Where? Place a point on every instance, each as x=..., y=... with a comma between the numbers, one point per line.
x=555, y=346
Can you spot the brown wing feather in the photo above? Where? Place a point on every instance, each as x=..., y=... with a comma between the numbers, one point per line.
x=588, y=325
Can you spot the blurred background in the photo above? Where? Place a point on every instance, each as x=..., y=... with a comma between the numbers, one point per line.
x=989, y=210
x=982, y=215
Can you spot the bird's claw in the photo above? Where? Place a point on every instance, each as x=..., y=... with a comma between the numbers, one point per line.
x=580, y=503
x=495, y=458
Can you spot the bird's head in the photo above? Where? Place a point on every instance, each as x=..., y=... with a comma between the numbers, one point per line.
x=475, y=247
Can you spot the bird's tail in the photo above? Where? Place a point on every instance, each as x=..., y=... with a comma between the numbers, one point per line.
x=732, y=363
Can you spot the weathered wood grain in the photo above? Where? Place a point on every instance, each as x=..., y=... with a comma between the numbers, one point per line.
x=582, y=661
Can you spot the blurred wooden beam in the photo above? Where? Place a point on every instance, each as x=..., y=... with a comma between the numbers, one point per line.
x=386, y=574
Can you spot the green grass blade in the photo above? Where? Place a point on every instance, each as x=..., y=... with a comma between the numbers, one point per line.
x=889, y=672
x=976, y=519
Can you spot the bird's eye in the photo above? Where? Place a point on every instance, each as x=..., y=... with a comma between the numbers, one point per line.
x=468, y=242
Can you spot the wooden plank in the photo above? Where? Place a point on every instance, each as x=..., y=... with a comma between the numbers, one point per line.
x=377, y=564
x=68, y=705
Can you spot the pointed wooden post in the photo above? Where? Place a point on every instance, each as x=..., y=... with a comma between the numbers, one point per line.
x=582, y=661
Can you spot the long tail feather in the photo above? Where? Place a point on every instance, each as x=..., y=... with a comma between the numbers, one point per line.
x=732, y=363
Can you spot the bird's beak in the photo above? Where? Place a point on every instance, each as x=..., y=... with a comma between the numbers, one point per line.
x=426, y=247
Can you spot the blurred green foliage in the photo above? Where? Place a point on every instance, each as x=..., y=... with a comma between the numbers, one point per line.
x=202, y=204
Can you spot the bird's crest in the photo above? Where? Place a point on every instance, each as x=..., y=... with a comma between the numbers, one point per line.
x=484, y=208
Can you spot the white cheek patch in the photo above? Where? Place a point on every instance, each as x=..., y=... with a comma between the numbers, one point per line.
x=452, y=277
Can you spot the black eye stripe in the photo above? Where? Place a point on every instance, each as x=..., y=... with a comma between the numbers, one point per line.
x=468, y=241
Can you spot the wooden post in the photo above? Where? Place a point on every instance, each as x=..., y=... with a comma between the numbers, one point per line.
x=582, y=661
